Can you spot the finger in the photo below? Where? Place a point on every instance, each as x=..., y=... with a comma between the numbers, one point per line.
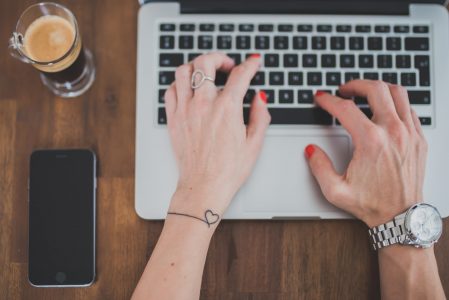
x=170, y=101
x=240, y=78
x=401, y=103
x=259, y=119
x=332, y=185
x=377, y=94
x=209, y=64
x=417, y=122
x=183, y=89
x=349, y=115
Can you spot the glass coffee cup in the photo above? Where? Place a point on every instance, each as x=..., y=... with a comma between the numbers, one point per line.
x=48, y=38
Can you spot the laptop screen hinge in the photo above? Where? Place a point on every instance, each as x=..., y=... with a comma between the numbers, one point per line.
x=294, y=7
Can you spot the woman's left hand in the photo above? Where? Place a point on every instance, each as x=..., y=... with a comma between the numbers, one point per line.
x=214, y=149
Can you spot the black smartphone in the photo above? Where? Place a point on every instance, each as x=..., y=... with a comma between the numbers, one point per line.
x=62, y=187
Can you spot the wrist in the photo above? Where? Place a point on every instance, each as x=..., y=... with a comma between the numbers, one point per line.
x=386, y=214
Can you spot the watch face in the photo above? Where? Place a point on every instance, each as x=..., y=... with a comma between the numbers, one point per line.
x=424, y=222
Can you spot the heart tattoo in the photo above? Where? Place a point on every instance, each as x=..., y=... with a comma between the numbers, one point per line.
x=210, y=217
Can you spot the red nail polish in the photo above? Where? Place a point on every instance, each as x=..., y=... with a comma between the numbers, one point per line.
x=310, y=149
x=320, y=93
x=263, y=96
x=255, y=55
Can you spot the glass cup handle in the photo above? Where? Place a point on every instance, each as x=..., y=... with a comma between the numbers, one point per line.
x=16, y=43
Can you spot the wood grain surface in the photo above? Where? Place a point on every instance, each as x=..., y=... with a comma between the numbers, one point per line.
x=247, y=259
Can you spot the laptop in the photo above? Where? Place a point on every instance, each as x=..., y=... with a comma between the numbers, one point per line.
x=305, y=46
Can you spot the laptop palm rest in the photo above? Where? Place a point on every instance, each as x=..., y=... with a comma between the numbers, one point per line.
x=282, y=185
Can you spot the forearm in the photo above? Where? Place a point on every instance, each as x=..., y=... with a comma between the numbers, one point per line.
x=409, y=273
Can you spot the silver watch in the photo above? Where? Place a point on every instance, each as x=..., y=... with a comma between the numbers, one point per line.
x=420, y=226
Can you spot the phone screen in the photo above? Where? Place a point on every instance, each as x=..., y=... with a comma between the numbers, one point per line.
x=62, y=218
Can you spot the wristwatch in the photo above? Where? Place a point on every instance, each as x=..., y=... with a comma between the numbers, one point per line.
x=420, y=226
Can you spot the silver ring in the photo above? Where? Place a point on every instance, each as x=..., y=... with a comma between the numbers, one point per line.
x=196, y=84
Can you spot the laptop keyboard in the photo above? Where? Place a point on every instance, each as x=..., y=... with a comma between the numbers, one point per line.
x=299, y=59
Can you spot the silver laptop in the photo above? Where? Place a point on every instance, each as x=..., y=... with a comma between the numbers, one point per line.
x=305, y=46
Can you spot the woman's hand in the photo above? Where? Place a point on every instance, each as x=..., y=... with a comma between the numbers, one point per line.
x=214, y=149
x=385, y=176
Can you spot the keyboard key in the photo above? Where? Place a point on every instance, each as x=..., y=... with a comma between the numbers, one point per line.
x=394, y=43
x=205, y=41
x=328, y=61
x=270, y=95
x=171, y=60
x=422, y=63
x=324, y=28
x=236, y=57
x=299, y=42
x=351, y=76
x=246, y=27
x=382, y=28
x=258, y=79
x=167, y=27
x=161, y=116
x=286, y=96
x=224, y=42
x=221, y=78
x=290, y=60
x=276, y=78
x=421, y=29
x=243, y=42
x=192, y=56
x=166, y=77
x=384, y=61
x=347, y=61
x=262, y=42
x=408, y=79
x=344, y=28
x=266, y=27
x=371, y=76
x=300, y=116
x=207, y=27
x=375, y=43
x=356, y=43
x=367, y=112
x=401, y=28
x=271, y=60
x=360, y=100
x=185, y=42
x=187, y=27
x=403, y=61
x=314, y=78
x=366, y=61
x=305, y=96
x=309, y=61
x=285, y=27
x=333, y=78
x=338, y=43
x=249, y=96
x=419, y=97
x=167, y=42
x=281, y=42
x=318, y=42
x=363, y=28
x=304, y=28
x=390, y=77
x=161, y=97
x=295, y=78
x=227, y=27
x=425, y=121
x=417, y=44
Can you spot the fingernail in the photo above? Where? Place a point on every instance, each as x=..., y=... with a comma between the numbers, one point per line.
x=255, y=55
x=320, y=93
x=309, y=151
x=263, y=96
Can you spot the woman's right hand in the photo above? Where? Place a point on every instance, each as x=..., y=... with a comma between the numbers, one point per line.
x=385, y=176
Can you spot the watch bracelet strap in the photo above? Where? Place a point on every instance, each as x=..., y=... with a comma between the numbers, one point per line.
x=389, y=233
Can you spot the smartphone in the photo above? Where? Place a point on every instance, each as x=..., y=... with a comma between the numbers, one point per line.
x=62, y=186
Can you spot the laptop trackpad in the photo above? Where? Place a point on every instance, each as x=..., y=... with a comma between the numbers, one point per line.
x=282, y=184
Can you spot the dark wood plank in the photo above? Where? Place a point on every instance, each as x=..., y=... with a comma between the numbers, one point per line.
x=247, y=259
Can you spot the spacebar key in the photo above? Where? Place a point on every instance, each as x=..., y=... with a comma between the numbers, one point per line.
x=297, y=116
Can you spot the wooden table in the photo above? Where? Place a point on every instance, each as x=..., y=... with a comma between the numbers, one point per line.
x=247, y=259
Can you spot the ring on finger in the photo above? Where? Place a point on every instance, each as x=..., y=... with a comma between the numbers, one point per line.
x=198, y=78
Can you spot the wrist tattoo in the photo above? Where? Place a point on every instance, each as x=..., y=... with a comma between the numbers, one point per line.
x=209, y=218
